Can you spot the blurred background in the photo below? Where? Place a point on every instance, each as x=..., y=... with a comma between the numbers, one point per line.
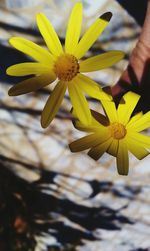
x=51, y=199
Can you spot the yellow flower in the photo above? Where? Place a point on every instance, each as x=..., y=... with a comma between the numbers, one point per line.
x=116, y=133
x=63, y=65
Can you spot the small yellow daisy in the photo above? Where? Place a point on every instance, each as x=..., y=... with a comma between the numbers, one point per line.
x=116, y=133
x=64, y=65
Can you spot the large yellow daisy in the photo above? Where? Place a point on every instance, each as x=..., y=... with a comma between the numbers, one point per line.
x=116, y=133
x=64, y=65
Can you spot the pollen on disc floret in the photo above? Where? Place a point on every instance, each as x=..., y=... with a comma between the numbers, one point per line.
x=66, y=67
x=118, y=130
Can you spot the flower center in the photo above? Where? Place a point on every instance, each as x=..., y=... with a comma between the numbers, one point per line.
x=66, y=67
x=118, y=131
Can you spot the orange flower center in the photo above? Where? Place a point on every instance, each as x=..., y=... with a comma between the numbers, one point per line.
x=66, y=67
x=118, y=131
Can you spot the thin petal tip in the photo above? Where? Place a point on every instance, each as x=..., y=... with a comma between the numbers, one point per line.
x=92, y=156
x=45, y=122
x=39, y=14
x=71, y=148
x=12, y=40
x=123, y=173
x=7, y=71
x=44, y=125
x=10, y=92
x=106, y=16
x=120, y=53
x=79, y=3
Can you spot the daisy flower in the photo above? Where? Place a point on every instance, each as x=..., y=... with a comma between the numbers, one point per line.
x=63, y=64
x=116, y=133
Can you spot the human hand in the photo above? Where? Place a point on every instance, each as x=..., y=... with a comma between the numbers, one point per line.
x=136, y=77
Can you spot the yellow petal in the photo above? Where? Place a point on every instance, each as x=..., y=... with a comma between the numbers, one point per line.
x=126, y=106
x=122, y=158
x=25, y=69
x=79, y=103
x=102, y=61
x=78, y=125
x=113, y=148
x=53, y=103
x=134, y=119
x=92, y=34
x=99, y=119
x=97, y=151
x=91, y=88
x=93, y=127
x=94, y=123
x=142, y=123
x=31, y=85
x=31, y=49
x=136, y=149
x=110, y=110
x=142, y=140
x=49, y=34
x=73, y=29
x=85, y=142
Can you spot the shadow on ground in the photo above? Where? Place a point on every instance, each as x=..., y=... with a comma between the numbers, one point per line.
x=26, y=212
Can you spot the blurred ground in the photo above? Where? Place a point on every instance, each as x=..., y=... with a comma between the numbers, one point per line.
x=51, y=199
